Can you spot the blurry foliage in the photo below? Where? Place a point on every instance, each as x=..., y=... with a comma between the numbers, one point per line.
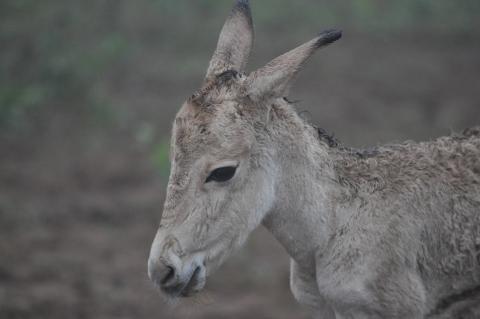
x=146, y=134
x=160, y=157
x=52, y=59
x=390, y=15
x=60, y=55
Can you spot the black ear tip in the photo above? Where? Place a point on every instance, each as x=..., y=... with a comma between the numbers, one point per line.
x=244, y=4
x=328, y=36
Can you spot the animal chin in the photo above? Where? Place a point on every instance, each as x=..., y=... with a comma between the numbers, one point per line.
x=187, y=288
x=195, y=284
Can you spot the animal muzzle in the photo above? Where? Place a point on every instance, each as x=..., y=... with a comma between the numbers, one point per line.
x=176, y=276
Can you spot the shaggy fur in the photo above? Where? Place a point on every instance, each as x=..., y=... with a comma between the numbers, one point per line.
x=388, y=232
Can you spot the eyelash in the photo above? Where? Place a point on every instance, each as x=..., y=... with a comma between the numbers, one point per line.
x=222, y=174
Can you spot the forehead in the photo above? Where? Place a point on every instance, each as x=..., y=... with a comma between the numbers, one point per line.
x=212, y=129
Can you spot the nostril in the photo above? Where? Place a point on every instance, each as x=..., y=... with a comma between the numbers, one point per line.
x=161, y=273
x=169, y=274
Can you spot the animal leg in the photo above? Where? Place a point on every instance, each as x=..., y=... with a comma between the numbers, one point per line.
x=305, y=290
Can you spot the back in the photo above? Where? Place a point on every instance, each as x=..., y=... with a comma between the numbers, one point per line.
x=426, y=195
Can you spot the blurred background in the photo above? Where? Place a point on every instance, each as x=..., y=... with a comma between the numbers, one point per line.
x=88, y=91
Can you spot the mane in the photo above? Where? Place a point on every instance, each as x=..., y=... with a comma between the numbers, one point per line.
x=328, y=138
x=471, y=132
x=332, y=142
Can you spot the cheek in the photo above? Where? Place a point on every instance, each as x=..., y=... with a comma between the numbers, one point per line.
x=210, y=220
x=240, y=217
x=257, y=198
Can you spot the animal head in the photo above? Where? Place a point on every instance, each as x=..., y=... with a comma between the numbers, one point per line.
x=223, y=170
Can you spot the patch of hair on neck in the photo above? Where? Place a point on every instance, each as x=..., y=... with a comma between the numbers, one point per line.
x=323, y=135
x=471, y=131
x=286, y=99
x=331, y=141
x=326, y=137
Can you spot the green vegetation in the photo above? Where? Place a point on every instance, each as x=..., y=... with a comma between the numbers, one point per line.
x=61, y=56
x=52, y=59
x=406, y=15
x=69, y=59
x=160, y=157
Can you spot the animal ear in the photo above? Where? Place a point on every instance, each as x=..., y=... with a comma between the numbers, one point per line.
x=275, y=78
x=235, y=42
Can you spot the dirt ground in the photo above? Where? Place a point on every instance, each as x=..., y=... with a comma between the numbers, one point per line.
x=78, y=210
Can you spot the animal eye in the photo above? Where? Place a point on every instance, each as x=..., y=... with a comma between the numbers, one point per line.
x=221, y=174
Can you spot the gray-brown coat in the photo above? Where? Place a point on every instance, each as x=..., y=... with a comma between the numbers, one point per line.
x=391, y=232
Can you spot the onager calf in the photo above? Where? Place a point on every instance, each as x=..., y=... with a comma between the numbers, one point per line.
x=392, y=232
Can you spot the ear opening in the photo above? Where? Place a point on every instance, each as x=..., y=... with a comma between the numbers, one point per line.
x=235, y=41
x=276, y=77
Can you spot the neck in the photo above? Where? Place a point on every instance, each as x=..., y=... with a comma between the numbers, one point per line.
x=303, y=216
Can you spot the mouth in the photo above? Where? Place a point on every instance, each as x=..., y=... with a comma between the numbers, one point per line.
x=192, y=284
